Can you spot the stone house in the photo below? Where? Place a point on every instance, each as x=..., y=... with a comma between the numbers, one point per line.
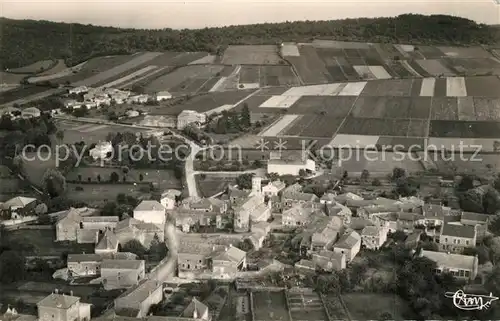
x=132, y=229
x=324, y=237
x=298, y=215
x=273, y=188
x=123, y=273
x=139, y=299
x=19, y=206
x=456, y=238
x=329, y=261
x=82, y=265
x=194, y=258
x=227, y=262
x=168, y=198
x=349, y=244
x=196, y=311
x=150, y=211
x=481, y=221
x=62, y=307
x=67, y=225
x=305, y=266
x=189, y=220
x=373, y=237
x=99, y=223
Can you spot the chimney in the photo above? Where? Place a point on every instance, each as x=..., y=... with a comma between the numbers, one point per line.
x=71, y=292
x=195, y=313
x=56, y=291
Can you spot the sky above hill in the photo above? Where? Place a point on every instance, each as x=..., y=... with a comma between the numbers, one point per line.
x=199, y=14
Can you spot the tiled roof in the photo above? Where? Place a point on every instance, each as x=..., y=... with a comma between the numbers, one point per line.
x=100, y=219
x=348, y=241
x=299, y=196
x=231, y=254
x=458, y=230
x=371, y=231
x=122, y=264
x=108, y=242
x=451, y=260
x=149, y=205
x=20, y=201
x=470, y=216
x=60, y=301
x=141, y=291
x=306, y=264
x=197, y=306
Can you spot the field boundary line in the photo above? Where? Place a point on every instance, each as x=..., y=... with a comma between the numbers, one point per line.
x=343, y=120
x=341, y=68
x=287, y=302
x=345, y=307
x=426, y=141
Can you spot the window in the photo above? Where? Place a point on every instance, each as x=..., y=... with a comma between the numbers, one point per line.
x=467, y=273
x=199, y=261
x=467, y=242
x=446, y=239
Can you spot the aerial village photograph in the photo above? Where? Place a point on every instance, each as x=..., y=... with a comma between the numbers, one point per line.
x=249, y=161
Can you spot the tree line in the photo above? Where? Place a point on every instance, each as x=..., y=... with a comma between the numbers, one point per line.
x=27, y=41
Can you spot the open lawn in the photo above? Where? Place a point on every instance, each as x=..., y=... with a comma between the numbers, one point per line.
x=270, y=306
x=370, y=306
x=36, y=67
x=209, y=185
x=43, y=242
x=251, y=55
x=21, y=92
x=89, y=133
x=59, y=71
x=95, y=194
x=8, y=78
x=164, y=178
x=378, y=162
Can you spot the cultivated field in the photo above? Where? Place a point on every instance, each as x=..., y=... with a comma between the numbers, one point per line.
x=251, y=55
x=189, y=79
x=378, y=162
x=270, y=306
x=204, y=103
x=36, y=67
x=8, y=78
x=370, y=306
x=21, y=92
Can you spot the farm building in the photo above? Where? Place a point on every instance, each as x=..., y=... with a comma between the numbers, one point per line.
x=62, y=306
x=138, y=99
x=163, y=95
x=31, y=112
x=290, y=166
x=78, y=90
x=461, y=266
x=187, y=117
x=150, y=212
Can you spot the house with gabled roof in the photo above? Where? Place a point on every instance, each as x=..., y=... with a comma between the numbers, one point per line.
x=137, y=300
x=19, y=206
x=133, y=229
x=373, y=237
x=150, y=211
x=273, y=188
x=83, y=265
x=197, y=311
x=118, y=274
x=457, y=237
x=297, y=215
x=464, y=267
x=228, y=261
x=329, y=261
x=481, y=221
x=107, y=244
x=63, y=307
x=349, y=244
x=67, y=225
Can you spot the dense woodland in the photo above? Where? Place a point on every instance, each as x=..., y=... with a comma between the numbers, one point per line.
x=28, y=41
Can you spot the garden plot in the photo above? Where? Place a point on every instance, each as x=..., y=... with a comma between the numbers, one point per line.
x=444, y=108
x=280, y=102
x=391, y=87
x=464, y=129
x=249, y=74
x=354, y=141
x=427, y=89
x=486, y=86
x=336, y=106
x=290, y=49
x=270, y=306
x=129, y=77
x=435, y=67
x=455, y=87
x=136, y=61
x=487, y=109
x=304, y=304
x=466, y=108
x=251, y=55
x=279, y=125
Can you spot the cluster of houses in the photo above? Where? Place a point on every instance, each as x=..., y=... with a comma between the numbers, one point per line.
x=97, y=97
x=17, y=113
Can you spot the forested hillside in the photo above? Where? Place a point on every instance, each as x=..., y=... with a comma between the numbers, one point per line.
x=26, y=41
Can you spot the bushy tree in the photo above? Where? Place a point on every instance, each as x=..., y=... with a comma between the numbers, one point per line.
x=54, y=182
x=136, y=247
x=244, y=181
x=157, y=249
x=12, y=266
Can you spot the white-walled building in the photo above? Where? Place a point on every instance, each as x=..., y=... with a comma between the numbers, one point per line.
x=31, y=112
x=163, y=95
x=101, y=150
x=290, y=166
x=273, y=188
x=168, y=198
x=62, y=307
x=187, y=117
x=150, y=212
x=78, y=90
